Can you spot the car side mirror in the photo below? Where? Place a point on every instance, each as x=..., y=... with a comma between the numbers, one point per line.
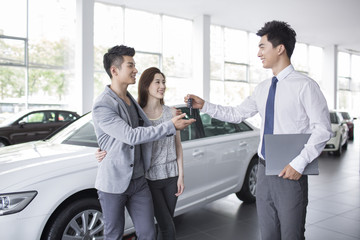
x=21, y=124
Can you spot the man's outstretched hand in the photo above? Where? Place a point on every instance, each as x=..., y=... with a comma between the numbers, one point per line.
x=180, y=123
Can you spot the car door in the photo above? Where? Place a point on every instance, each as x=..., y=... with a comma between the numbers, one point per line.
x=195, y=164
x=33, y=126
x=226, y=146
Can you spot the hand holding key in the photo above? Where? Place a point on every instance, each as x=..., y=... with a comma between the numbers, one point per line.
x=197, y=103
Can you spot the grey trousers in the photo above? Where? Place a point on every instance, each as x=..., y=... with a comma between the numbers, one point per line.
x=281, y=206
x=137, y=200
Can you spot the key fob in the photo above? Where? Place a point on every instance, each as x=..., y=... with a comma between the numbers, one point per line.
x=189, y=105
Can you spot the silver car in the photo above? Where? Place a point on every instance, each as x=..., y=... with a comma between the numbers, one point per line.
x=47, y=187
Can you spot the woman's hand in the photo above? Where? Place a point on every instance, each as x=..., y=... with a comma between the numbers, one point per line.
x=180, y=186
x=99, y=155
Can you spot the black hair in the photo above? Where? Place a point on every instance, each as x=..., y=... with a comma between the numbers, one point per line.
x=279, y=33
x=114, y=56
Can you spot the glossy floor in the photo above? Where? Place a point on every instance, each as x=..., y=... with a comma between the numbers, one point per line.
x=333, y=210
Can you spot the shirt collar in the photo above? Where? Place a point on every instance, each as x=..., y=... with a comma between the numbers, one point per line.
x=285, y=72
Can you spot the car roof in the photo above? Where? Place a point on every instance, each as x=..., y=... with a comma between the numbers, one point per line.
x=20, y=114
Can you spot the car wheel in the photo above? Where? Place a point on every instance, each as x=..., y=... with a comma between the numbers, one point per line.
x=345, y=145
x=247, y=193
x=3, y=143
x=351, y=136
x=81, y=219
x=339, y=151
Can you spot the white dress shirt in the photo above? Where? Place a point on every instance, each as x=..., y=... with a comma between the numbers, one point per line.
x=300, y=107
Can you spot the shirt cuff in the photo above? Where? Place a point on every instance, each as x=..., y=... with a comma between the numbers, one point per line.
x=208, y=108
x=299, y=164
x=205, y=107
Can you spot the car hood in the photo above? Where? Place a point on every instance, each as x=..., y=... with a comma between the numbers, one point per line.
x=4, y=127
x=334, y=127
x=18, y=163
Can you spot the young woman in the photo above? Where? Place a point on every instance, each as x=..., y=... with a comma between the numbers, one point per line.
x=166, y=174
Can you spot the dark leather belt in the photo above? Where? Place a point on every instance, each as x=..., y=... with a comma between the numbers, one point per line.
x=262, y=161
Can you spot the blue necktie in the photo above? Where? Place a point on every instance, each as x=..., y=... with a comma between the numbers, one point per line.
x=269, y=113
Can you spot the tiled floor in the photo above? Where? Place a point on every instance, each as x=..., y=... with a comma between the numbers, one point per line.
x=333, y=210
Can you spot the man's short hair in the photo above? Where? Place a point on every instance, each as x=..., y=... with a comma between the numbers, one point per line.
x=279, y=33
x=114, y=56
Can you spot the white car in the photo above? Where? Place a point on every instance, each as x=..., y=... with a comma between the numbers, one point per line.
x=47, y=187
x=339, y=141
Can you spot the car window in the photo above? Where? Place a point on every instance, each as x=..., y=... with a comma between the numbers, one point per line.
x=215, y=127
x=66, y=117
x=49, y=117
x=36, y=117
x=84, y=136
x=243, y=127
x=194, y=130
x=39, y=117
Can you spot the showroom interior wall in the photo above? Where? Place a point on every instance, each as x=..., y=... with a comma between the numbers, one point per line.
x=82, y=90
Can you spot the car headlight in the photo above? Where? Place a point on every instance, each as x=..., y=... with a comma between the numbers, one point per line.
x=15, y=202
x=334, y=133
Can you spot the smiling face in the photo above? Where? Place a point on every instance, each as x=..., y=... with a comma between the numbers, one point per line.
x=157, y=87
x=126, y=73
x=268, y=54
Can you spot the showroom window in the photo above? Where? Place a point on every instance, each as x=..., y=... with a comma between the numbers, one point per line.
x=308, y=60
x=235, y=68
x=108, y=32
x=349, y=82
x=13, y=65
x=160, y=41
x=37, y=52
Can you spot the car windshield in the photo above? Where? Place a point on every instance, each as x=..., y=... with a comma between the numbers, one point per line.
x=13, y=118
x=333, y=118
x=70, y=129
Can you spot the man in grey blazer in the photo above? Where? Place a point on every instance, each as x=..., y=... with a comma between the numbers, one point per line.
x=125, y=133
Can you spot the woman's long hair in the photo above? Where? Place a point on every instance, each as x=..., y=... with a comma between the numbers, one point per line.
x=146, y=79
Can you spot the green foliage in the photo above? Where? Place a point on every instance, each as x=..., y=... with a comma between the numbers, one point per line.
x=49, y=70
x=12, y=82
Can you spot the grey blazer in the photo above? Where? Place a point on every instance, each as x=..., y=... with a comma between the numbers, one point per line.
x=116, y=136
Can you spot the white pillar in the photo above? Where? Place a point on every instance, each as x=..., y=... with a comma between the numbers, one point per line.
x=330, y=76
x=84, y=56
x=201, y=56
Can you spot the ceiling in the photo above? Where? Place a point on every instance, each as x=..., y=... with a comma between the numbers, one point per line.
x=317, y=22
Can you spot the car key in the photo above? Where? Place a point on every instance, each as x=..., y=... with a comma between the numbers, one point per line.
x=189, y=105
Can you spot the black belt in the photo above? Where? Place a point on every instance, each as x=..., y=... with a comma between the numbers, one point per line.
x=262, y=161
